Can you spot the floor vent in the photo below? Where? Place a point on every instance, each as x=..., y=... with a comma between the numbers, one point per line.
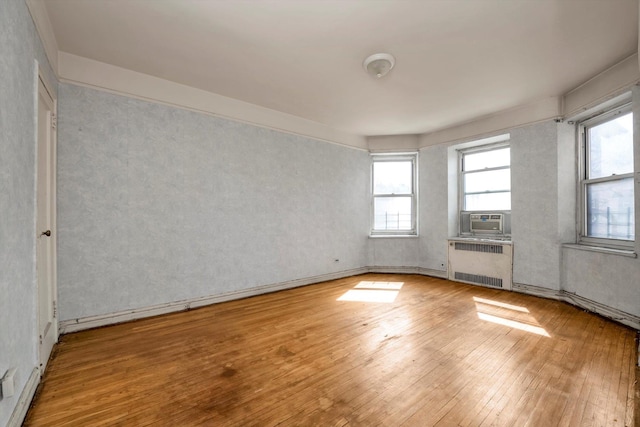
x=478, y=247
x=479, y=279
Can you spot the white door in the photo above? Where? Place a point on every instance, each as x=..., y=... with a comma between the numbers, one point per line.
x=45, y=225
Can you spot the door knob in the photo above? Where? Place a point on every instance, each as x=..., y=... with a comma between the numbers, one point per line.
x=46, y=233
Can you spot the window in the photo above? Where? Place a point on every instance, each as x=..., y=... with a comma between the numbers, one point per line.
x=606, y=179
x=394, y=194
x=486, y=178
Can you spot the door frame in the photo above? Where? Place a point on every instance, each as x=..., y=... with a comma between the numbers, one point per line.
x=44, y=85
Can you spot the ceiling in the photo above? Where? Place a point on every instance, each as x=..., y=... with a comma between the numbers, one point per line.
x=455, y=59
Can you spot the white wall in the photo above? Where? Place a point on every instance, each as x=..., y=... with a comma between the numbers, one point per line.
x=158, y=204
x=610, y=279
x=428, y=250
x=543, y=183
x=535, y=197
x=434, y=207
x=394, y=252
x=19, y=49
x=534, y=205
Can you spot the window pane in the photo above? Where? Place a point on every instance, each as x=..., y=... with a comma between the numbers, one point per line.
x=610, y=211
x=495, y=180
x=392, y=177
x=488, y=202
x=611, y=147
x=392, y=213
x=487, y=159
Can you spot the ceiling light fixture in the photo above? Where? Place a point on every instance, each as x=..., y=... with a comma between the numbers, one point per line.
x=379, y=64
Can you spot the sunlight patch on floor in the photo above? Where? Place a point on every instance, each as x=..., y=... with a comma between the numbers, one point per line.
x=371, y=291
x=513, y=324
x=379, y=285
x=513, y=316
x=369, y=295
x=500, y=304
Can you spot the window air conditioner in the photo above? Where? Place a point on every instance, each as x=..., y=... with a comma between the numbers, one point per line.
x=486, y=223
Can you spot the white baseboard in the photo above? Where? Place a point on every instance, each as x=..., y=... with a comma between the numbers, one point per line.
x=601, y=309
x=409, y=270
x=537, y=291
x=581, y=302
x=20, y=411
x=74, y=325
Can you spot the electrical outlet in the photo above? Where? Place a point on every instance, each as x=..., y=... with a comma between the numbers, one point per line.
x=8, y=383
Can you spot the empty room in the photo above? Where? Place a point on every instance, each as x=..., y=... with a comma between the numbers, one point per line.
x=319, y=213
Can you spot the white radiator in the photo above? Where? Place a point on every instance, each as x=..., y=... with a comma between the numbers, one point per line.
x=481, y=263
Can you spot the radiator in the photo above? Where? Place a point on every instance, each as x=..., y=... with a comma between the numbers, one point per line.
x=481, y=263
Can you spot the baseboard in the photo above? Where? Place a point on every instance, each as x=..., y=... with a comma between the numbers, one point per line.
x=74, y=325
x=581, y=302
x=20, y=411
x=537, y=291
x=409, y=270
x=601, y=309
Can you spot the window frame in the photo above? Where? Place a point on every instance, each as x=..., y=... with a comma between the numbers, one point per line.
x=412, y=157
x=462, y=173
x=584, y=181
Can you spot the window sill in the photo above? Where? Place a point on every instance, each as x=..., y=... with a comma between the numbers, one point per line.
x=393, y=236
x=622, y=252
x=485, y=239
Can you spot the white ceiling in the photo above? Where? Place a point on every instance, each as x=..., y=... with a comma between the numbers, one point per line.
x=455, y=59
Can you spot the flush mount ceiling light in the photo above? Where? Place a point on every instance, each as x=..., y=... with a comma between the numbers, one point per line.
x=379, y=64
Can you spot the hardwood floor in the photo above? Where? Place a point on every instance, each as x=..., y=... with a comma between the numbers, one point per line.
x=441, y=354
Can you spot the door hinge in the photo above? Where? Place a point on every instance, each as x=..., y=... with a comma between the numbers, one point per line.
x=55, y=309
x=54, y=121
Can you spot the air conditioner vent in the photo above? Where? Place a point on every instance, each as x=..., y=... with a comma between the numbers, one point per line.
x=479, y=279
x=478, y=247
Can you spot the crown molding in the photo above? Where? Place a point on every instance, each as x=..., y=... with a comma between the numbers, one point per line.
x=608, y=84
x=384, y=143
x=40, y=18
x=99, y=75
x=83, y=71
x=522, y=115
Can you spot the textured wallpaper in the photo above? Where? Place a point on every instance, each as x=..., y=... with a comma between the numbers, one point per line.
x=19, y=49
x=158, y=204
x=534, y=205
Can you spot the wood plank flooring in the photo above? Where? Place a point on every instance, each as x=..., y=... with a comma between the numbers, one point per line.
x=440, y=354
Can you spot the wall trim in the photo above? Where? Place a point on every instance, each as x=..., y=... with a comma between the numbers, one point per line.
x=40, y=18
x=581, y=302
x=87, y=72
x=79, y=324
x=608, y=84
x=392, y=143
x=74, y=325
x=110, y=78
x=537, y=291
x=442, y=274
x=498, y=122
x=602, y=309
x=20, y=411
